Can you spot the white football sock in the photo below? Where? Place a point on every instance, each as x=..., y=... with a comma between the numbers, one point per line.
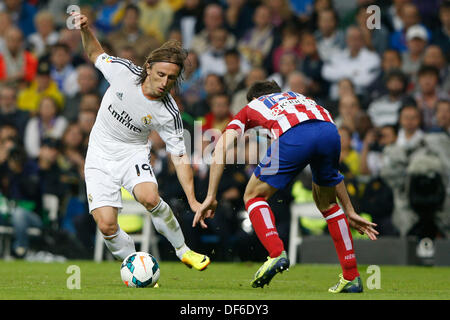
x=120, y=244
x=167, y=225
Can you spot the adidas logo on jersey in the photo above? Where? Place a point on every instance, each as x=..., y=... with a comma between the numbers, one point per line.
x=119, y=95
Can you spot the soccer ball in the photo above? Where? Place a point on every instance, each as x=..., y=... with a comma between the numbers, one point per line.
x=139, y=270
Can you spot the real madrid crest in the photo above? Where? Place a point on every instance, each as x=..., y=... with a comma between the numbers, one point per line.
x=147, y=119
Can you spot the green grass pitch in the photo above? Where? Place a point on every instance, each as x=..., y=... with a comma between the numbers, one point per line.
x=220, y=281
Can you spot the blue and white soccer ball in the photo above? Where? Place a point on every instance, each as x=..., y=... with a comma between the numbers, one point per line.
x=139, y=270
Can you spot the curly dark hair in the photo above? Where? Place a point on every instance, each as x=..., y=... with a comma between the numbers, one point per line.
x=261, y=88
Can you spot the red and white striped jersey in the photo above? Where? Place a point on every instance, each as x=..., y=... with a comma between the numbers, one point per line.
x=278, y=112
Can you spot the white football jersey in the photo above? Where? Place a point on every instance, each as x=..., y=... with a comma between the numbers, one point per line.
x=126, y=116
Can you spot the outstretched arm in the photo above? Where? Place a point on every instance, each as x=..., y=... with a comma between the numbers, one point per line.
x=225, y=143
x=91, y=44
x=355, y=220
x=186, y=177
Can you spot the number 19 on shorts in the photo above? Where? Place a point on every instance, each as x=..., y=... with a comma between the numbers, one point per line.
x=145, y=167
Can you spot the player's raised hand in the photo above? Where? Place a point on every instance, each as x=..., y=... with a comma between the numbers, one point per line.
x=362, y=225
x=206, y=210
x=81, y=21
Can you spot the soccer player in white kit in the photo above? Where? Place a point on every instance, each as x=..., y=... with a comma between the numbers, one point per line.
x=136, y=102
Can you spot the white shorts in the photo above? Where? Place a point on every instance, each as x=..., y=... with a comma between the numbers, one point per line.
x=105, y=178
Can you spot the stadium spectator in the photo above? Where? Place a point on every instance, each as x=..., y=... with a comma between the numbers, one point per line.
x=290, y=43
x=441, y=36
x=9, y=139
x=58, y=9
x=393, y=15
x=86, y=120
x=372, y=150
x=16, y=63
x=220, y=115
x=45, y=36
x=288, y=64
x=428, y=94
x=87, y=79
x=43, y=86
x=356, y=62
x=191, y=88
x=155, y=18
x=309, y=12
x=5, y=23
x=130, y=34
x=409, y=135
x=349, y=162
x=212, y=85
x=62, y=70
x=348, y=107
x=281, y=13
x=235, y=74
x=213, y=59
x=106, y=16
x=412, y=57
x=90, y=101
x=409, y=15
x=345, y=87
x=22, y=14
x=330, y=39
x=311, y=64
x=256, y=44
x=71, y=163
x=298, y=82
x=213, y=18
x=47, y=124
x=442, y=117
x=391, y=59
x=73, y=40
x=20, y=183
x=363, y=124
x=188, y=20
x=384, y=110
x=434, y=56
x=239, y=99
x=238, y=16
x=49, y=171
x=376, y=39
x=9, y=113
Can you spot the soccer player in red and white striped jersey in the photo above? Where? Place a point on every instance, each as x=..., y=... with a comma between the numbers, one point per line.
x=304, y=134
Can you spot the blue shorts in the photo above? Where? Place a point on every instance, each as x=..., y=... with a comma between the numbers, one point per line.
x=313, y=142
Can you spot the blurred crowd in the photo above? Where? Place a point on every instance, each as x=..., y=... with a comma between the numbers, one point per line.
x=381, y=71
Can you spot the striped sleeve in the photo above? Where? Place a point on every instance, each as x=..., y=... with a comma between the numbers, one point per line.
x=116, y=69
x=239, y=121
x=172, y=132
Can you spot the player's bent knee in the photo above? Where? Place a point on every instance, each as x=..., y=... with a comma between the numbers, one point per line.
x=150, y=201
x=107, y=229
x=251, y=195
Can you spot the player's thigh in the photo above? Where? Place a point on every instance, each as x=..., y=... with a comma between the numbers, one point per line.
x=286, y=157
x=102, y=188
x=139, y=179
x=257, y=188
x=325, y=161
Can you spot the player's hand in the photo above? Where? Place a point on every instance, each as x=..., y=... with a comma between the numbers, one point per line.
x=81, y=21
x=206, y=210
x=362, y=225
